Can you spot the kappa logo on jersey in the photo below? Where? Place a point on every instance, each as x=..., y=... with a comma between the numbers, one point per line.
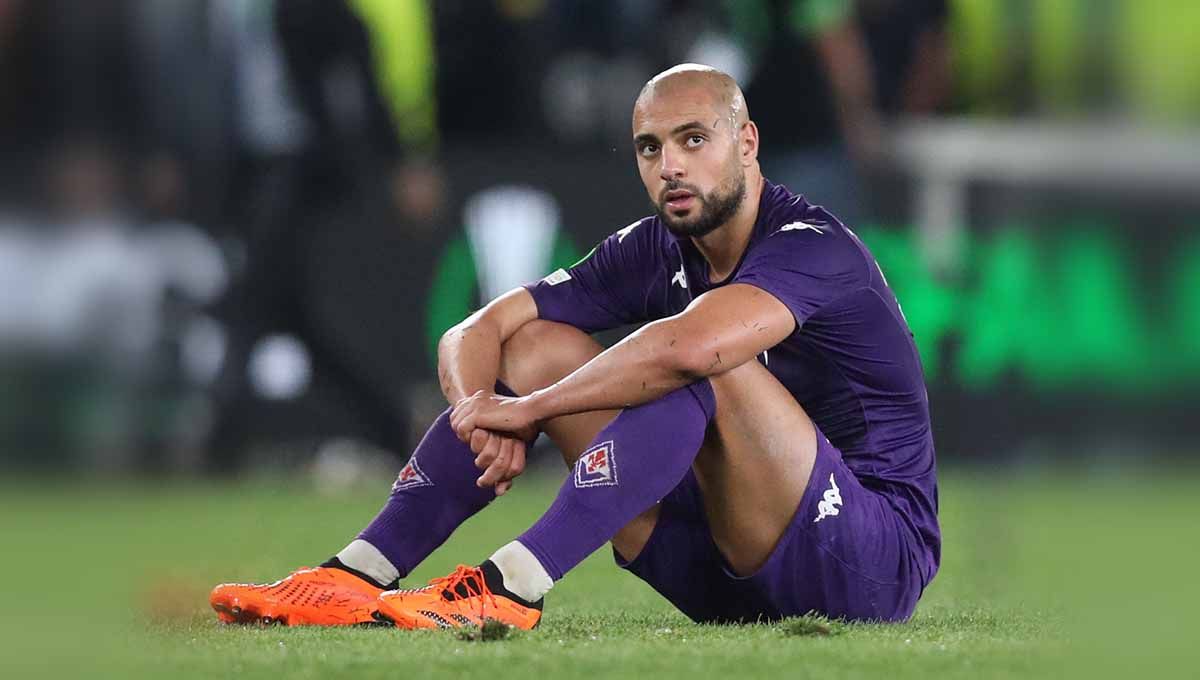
x=596, y=467
x=680, y=278
x=796, y=226
x=411, y=477
x=832, y=498
x=622, y=233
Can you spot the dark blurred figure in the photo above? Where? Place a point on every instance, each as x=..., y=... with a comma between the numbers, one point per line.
x=18, y=109
x=492, y=56
x=64, y=70
x=307, y=187
x=908, y=46
x=184, y=69
x=566, y=69
x=813, y=96
x=825, y=73
x=909, y=50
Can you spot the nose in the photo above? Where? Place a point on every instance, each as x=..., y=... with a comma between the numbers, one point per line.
x=672, y=166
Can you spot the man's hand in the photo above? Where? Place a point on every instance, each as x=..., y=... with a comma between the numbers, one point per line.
x=488, y=411
x=501, y=456
x=497, y=428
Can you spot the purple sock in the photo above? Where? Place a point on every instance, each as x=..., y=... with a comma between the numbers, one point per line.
x=434, y=493
x=634, y=462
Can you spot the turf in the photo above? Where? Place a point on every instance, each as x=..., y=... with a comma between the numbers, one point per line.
x=1037, y=580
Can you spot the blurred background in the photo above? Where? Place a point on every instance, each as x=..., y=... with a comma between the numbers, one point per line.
x=231, y=231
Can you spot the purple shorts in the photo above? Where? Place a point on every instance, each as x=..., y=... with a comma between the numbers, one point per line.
x=847, y=554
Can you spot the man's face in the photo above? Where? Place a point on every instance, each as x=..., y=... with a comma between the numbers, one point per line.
x=688, y=158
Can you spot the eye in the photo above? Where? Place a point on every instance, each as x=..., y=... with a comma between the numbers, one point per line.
x=694, y=141
x=648, y=150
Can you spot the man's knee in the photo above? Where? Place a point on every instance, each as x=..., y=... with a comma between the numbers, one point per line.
x=750, y=398
x=543, y=352
x=740, y=379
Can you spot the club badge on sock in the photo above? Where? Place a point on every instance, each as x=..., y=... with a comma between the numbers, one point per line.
x=411, y=477
x=596, y=467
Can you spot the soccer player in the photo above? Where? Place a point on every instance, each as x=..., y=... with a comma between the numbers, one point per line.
x=761, y=448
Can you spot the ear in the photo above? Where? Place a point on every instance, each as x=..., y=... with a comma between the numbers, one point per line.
x=748, y=143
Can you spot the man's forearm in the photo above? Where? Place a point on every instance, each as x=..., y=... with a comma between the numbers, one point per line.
x=644, y=366
x=469, y=359
x=469, y=353
x=719, y=331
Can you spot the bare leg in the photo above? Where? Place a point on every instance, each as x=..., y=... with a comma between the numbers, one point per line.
x=754, y=465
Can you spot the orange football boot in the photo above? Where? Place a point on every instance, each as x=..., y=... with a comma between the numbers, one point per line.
x=323, y=596
x=460, y=599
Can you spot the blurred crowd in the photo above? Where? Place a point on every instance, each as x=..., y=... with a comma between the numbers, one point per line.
x=170, y=171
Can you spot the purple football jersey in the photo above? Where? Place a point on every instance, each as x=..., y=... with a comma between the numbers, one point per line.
x=851, y=363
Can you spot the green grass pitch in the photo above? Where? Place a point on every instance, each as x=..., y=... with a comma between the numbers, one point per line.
x=1042, y=575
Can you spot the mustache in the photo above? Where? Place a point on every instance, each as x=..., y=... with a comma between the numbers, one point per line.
x=674, y=185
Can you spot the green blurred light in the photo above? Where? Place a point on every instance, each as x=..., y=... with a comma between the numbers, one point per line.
x=1054, y=308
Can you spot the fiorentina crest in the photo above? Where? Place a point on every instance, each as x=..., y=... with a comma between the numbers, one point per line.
x=596, y=467
x=411, y=477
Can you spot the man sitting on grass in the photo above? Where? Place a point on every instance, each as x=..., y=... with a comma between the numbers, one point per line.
x=760, y=449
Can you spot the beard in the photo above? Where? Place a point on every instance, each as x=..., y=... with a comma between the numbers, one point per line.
x=716, y=208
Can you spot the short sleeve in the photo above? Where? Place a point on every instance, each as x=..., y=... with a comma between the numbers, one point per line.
x=608, y=288
x=804, y=266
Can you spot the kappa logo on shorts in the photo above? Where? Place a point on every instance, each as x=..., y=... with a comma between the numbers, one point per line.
x=411, y=477
x=828, y=506
x=596, y=467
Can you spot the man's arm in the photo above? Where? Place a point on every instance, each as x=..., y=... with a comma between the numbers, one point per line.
x=469, y=363
x=469, y=353
x=719, y=331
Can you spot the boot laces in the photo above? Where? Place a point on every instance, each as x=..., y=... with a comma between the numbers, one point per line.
x=465, y=583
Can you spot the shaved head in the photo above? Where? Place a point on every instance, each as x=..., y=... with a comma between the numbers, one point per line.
x=723, y=90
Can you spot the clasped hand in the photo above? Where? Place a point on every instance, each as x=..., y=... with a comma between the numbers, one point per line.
x=497, y=428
